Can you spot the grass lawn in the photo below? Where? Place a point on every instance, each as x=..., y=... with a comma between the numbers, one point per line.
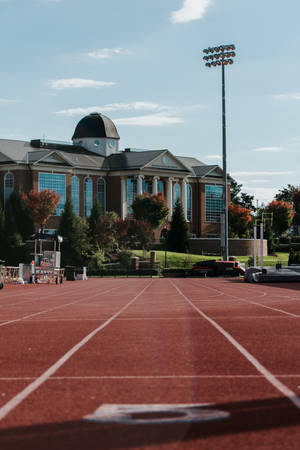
x=186, y=260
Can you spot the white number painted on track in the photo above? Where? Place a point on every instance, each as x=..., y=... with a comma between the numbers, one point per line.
x=156, y=414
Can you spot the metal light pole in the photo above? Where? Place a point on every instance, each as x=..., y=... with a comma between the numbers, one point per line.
x=221, y=56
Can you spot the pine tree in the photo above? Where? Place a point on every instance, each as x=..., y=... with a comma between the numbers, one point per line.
x=178, y=235
x=21, y=213
x=96, y=214
x=74, y=230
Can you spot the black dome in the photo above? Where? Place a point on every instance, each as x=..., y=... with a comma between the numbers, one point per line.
x=95, y=125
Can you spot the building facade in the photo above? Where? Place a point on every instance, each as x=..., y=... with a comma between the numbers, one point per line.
x=93, y=166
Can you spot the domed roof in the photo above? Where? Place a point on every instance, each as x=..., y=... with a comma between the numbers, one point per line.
x=95, y=125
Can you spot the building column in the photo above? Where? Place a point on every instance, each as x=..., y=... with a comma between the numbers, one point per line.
x=123, y=198
x=184, y=198
x=139, y=184
x=154, y=185
x=170, y=196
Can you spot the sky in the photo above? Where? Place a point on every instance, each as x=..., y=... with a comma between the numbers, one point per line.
x=140, y=63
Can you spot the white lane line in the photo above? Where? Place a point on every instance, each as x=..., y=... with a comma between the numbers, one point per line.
x=259, y=367
x=24, y=318
x=257, y=304
x=15, y=401
x=33, y=300
x=147, y=377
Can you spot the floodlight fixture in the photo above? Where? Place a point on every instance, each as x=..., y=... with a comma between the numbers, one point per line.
x=222, y=55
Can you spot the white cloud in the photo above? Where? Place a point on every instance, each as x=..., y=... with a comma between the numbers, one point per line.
x=190, y=10
x=291, y=96
x=135, y=106
x=75, y=83
x=151, y=120
x=213, y=156
x=263, y=195
x=6, y=101
x=257, y=173
x=267, y=149
x=105, y=53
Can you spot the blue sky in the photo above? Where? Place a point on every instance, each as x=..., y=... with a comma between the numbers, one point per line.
x=140, y=63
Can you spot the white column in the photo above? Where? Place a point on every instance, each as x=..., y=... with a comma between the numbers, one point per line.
x=261, y=245
x=170, y=196
x=154, y=185
x=184, y=198
x=123, y=198
x=139, y=185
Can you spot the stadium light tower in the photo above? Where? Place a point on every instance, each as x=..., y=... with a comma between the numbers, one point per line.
x=214, y=57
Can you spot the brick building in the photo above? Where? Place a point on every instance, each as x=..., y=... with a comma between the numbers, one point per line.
x=93, y=166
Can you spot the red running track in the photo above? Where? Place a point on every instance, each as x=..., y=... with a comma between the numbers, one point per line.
x=68, y=349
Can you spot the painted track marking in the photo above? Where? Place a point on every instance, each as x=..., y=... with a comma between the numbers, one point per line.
x=21, y=319
x=15, y=401
x=255, y=303
x=259, y=367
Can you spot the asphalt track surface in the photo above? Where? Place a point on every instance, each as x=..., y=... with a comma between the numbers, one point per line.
x=66, y=350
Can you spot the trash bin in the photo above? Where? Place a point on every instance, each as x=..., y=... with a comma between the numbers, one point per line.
x=70, y=273
x=1, y=268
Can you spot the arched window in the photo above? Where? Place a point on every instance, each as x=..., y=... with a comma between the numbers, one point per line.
x=8, y=186
x=189, y=203
x=176, y=196
x=101, y=193
x=88, y=196
x=160, y=186
x=75, y=194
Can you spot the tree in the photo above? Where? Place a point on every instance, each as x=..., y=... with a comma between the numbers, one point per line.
x=105, y=232
x=238, y=197
x=96, y=214
x=41, y=205
x=140, y=232
x=22, y=215
x=151, y=208
x=178, y=235
x=75, y=246
x=239, y=219
x=282, y=216
x=291, y=194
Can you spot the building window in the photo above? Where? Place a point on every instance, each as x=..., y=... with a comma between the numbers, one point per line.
x=160, y=187
x=176, y=195
x=101, y=194
x=213, y=203
x=189, y=202
x=75, y=194
x=8, y=186
x=131, y=190
x=147, y=186
x=55, y=182
x=88, y=197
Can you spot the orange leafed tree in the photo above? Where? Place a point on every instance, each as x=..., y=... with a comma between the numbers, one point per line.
x=239, y=220
x=41, y=205
x=282, y=215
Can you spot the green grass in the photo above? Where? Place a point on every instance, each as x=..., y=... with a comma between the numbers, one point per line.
x=180, y=260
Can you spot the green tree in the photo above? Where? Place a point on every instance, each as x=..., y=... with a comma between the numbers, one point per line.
x=75, y=247
x=22, y=215
x=237, y=197
x=151, y=208
x=96, y=214
x=105, y=232
x=178, y=235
